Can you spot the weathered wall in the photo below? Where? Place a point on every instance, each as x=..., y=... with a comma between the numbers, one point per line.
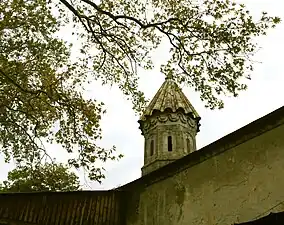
x=157, y=128
x=240, y=184
x=72, y=208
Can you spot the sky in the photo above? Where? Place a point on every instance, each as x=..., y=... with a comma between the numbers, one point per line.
x=120, y=128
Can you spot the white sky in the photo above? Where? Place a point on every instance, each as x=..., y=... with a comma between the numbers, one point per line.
x=120, y=127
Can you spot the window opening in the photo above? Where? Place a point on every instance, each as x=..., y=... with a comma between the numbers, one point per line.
x=170, y=144
x=152, y=148
x=188, y=144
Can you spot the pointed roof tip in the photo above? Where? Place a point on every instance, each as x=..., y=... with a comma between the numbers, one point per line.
x=167, y=77
x=169, y=96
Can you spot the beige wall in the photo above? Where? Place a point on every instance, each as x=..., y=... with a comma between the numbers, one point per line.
x=237, y=185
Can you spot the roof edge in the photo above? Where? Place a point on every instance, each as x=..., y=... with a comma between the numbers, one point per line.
x=251, y=130
x=47, y=193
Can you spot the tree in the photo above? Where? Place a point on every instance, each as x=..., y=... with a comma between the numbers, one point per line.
x=211, y=42
x=47, y=177
x=41, y=88
x=40, y=91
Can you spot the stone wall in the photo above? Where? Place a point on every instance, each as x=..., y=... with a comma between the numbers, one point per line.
x=240, y=184
x=181, y=128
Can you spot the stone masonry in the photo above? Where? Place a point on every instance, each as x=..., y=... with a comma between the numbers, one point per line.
x=169, y=125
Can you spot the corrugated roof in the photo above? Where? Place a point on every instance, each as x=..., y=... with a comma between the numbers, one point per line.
x=169, y=96
x=60, y=208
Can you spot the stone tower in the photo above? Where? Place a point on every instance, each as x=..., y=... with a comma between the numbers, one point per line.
x=169, y=125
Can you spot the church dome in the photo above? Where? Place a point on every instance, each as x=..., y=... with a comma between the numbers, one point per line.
x=170, y=97
x=169, y=125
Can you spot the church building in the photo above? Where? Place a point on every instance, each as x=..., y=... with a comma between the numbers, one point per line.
x=238, y=179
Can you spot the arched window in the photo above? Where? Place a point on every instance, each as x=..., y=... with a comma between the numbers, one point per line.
x=152, y=148
x=188, y=144
x=170, y=144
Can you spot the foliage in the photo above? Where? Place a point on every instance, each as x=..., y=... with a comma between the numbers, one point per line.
x=40, y=91
x=47, y=177
x=212, y=44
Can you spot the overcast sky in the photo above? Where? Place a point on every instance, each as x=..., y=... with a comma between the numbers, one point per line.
x=120, y=127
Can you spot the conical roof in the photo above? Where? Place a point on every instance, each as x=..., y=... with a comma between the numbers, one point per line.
x=169, y=96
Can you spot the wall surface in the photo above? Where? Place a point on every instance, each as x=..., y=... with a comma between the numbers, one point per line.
x=237, y=185
x=55, y=208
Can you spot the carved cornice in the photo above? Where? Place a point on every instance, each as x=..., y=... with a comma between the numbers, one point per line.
x=151, y=122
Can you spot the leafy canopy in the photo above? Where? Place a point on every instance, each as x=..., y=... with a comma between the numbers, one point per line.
x=212, y=42
x=47, y=177
x=41, y=88
x=41, y=91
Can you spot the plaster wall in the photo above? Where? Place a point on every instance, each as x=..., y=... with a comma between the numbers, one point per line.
x=240, y=184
